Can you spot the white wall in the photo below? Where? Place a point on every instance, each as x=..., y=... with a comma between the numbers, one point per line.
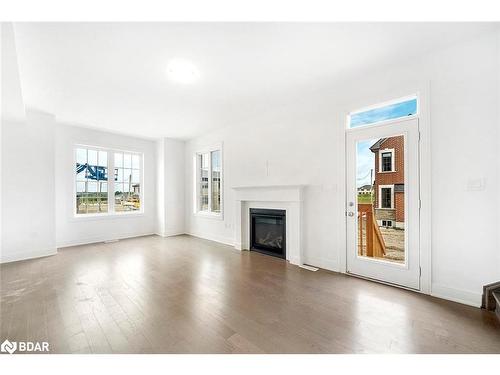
x=28, y=215
x=12, y=106
x=71, y=230
x=170, y=192
x=303, y=144
x=27, y=224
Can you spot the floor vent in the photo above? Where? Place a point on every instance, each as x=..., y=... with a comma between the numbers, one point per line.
x=308, y=267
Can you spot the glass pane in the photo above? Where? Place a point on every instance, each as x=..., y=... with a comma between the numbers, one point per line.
x=118, y=188
x=81, y=172
x=81, y=206
x=135, y=175
x=101, y=173
x=119, y=175
x=216, y=181
x=103, y=159
x=386, y=161
x=127, y=160
x=127, y=198
x=92, y=157
x=387, y=112
x=204, y=161
x=380, y=201
x=80, y=187
x=118, y=160
x=268, y=232
x=135, y=162
x=103, y=187
x=92, y=186
x=81, y=155
x=135, y=197
x=127, y=175
x=103, y=203
x=119, y=196
x=204, y=182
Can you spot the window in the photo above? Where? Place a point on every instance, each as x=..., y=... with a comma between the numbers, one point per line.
x=209, y=182
x=383, y=112
x=386, y=161
x=127, y=182
x=91, y=181
x=387, y=223
x=95, y=193
x=385, y=197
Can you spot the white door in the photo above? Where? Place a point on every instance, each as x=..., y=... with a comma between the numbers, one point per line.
x=383, y=202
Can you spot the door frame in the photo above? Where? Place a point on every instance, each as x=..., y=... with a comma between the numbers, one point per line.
x=382, y=95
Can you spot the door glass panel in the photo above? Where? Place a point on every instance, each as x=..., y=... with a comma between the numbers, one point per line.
x=380, y=182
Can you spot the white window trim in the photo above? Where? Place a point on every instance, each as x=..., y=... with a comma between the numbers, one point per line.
x=111, y=185
x=380, y=187
x=393, y=160
x=196, y=191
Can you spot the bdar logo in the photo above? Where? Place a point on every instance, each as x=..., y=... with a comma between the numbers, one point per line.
x=8, y=347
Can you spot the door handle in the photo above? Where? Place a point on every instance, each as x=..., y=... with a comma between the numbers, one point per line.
x=350, y=213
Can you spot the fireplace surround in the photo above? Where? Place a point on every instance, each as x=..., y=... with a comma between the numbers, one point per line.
x=268, y=231
x=273, y=197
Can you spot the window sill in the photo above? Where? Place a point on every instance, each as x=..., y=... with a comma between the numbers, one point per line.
x=387, y=172
x=209, y=215
x=107, y=216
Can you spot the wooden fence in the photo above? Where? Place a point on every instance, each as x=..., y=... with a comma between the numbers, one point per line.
x=370, y=240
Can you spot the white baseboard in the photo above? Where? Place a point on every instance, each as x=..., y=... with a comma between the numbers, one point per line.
x=24, y=255
x=222, y=240
x=91, y=240
x=170, y=234
x=456, y=295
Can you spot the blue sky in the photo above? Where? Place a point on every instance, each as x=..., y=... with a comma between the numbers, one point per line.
x=392, y=111
x=365, y=158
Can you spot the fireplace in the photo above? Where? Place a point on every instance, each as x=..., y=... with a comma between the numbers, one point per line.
x=268, y=231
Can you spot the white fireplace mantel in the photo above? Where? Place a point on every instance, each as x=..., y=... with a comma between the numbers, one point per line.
x=282, y=197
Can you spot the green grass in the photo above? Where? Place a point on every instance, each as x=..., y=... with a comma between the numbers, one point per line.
x=364, y=198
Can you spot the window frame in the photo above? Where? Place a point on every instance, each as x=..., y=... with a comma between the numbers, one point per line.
x=393, y=161
x=196, y=185
x=380, y=187
x=110, y=182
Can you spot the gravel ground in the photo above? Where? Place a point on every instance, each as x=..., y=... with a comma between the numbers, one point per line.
x=394, y=243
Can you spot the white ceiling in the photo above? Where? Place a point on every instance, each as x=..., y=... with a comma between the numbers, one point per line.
x=112, y=75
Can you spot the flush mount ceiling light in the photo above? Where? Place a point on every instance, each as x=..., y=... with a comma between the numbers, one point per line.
x=182, y=71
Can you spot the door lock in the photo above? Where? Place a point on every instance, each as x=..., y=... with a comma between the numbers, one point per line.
x=350, y=213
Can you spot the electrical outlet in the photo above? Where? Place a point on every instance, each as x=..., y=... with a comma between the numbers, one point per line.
x=476, y=184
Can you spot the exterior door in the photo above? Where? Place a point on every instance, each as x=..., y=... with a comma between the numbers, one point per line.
x=383, y=202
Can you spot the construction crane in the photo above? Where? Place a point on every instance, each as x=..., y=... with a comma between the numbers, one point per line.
x=94, y=172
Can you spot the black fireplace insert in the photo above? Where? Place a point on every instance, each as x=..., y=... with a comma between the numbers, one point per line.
x=268, y=231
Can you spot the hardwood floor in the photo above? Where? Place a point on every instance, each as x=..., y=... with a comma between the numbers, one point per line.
x=187, y=295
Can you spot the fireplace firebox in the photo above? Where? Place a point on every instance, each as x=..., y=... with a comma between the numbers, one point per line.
x=268, y=231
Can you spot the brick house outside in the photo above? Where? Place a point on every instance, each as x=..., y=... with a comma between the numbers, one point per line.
x=389, y=182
